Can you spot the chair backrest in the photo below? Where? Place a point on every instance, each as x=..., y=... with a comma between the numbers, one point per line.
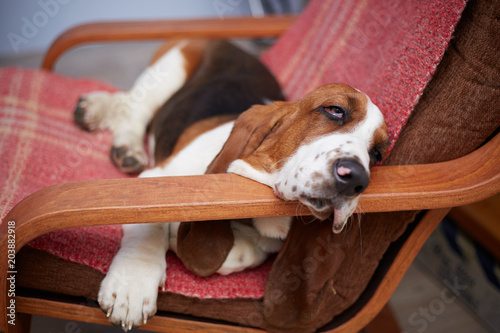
x=387, y=49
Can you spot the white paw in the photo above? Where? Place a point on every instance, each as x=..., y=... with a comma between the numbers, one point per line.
x=127, y=159
x=129, y=291
x=92, y=111
x=273, y=227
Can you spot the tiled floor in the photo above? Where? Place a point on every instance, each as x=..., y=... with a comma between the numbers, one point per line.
x=119, y=64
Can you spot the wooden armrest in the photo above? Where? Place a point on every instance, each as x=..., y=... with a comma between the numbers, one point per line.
x=240, y=27
x=225, y=196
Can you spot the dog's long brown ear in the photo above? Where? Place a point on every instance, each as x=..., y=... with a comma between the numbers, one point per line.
x=204, y=246
x=249, y=131
x=317, y=254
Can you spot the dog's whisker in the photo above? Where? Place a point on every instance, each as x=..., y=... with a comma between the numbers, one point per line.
x=360, y=234
x=278, y=162
x=298, y=212
x=348, y=226
x=359, y=212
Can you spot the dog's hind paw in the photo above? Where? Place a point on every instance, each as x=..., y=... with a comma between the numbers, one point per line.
x=129, y=160
x=79, y=114
x=92, y=111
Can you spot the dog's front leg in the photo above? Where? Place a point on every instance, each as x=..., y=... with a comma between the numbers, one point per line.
x=129, y=291
x=127, y=114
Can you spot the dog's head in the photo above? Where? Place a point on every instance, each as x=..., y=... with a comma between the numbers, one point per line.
x=317, y=150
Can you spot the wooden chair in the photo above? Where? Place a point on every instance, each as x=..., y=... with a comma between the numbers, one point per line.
x=433, y=188
x=465, y=180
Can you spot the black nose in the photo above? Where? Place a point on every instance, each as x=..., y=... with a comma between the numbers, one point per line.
x=351, y=177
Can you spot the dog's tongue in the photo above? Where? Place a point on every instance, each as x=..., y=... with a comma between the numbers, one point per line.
x=337, y=228
x=339, y=221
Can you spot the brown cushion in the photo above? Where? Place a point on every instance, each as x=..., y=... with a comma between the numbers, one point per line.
x=42, y=271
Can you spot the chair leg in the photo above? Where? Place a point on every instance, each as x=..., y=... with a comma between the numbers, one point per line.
x=383, y=322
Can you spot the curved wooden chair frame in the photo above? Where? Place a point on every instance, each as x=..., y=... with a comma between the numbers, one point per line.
x=433, y=187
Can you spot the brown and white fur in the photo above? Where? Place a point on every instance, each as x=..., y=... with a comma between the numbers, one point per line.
x=316, y=150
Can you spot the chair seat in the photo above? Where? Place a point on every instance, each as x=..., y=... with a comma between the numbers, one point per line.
x=41, y=271
x=42, y=146
x=39, y=143
x=96, y=246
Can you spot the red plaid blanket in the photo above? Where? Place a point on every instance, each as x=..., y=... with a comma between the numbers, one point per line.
x=388, y=49
x=40, y=146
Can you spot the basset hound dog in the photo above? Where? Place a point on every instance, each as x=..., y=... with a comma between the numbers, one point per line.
x=209, y=107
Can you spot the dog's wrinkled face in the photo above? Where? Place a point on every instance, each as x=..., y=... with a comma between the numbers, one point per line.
x=329, y=172
x=317, y=150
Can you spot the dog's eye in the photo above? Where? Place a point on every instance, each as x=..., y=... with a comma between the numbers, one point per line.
x=375, y=155
x=335, y=112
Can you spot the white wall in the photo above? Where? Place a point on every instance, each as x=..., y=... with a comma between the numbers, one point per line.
x=29, y=26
